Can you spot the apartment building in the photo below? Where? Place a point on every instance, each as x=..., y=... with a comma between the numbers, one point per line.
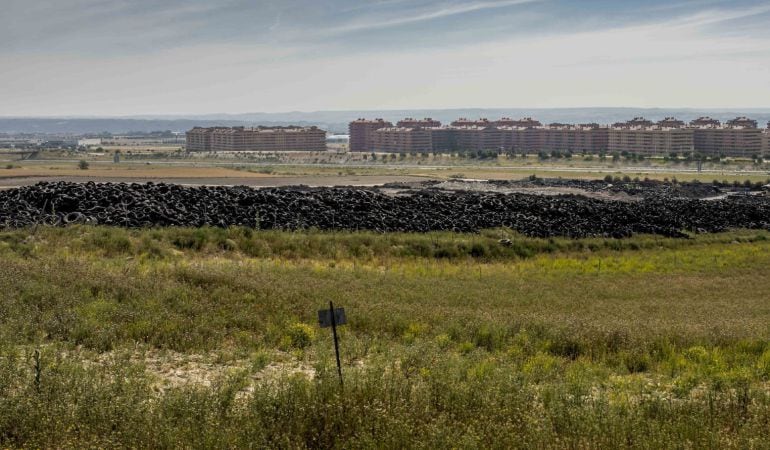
x=199, y=139
x=467, y=138
x=414, y=123
x=642, y=137
x=480, y=138
x=766, y=142
x=739, y=137
x=583, y=138
x=443, y=140
x=522, y=140
x=263, y=139
x=361, y=133
x=402, y=140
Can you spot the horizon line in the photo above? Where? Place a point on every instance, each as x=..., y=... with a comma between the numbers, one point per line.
x=182, y=116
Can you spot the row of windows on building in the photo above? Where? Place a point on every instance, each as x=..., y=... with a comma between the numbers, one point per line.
x=740, y=137
x=267, y=139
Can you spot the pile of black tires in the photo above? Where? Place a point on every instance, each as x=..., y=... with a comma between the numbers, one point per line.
x=158, y=204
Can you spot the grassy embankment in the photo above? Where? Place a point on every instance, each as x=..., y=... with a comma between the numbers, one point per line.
x=207, y=338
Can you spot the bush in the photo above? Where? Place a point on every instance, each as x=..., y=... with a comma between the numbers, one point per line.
x=636, y=361
x=298, y=335
x=763, y=364
x=83, y=164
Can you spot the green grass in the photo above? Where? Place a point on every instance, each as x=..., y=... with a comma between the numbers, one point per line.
x=453, y=340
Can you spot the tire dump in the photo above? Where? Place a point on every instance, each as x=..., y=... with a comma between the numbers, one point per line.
x=651, y=207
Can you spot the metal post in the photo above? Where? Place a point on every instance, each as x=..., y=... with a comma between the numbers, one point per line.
x=336, y=343
x=38, y=369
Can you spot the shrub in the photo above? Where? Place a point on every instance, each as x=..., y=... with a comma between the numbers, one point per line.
x=298, y=335
x=636, y=361
x=763, y=364
x=83, y=164
x=541, y=367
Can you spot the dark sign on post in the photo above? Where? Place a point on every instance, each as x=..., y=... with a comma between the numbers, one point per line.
x=325, y=317
x=331, y=318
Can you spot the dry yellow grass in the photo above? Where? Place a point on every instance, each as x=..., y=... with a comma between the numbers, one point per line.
x=304, y=173
x=129, y=171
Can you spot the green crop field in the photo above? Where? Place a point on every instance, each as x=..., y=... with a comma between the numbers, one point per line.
x=174, y=337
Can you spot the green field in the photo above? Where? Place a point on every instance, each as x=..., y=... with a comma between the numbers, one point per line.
x=208, y=338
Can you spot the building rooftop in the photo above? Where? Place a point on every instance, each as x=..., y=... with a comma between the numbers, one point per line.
x=471, y=127
x=670, y=122
x=262, y=129
x=705, y=122
x=399, y=129
x=373, y=121
x=742, y=122
x=570, y=126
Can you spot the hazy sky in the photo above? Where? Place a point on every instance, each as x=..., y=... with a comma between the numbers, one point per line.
x=123, y=57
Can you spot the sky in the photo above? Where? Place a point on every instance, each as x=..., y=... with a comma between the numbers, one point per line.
x=186, y=57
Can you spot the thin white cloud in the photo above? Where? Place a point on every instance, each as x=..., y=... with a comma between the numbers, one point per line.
x=377, y=4
x=432, y=14
x=717, y=16
x=276, y=23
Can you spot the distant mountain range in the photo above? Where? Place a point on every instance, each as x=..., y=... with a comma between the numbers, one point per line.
x=337, y=121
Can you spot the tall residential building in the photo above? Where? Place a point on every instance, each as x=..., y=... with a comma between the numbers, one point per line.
x=265, y=139
x=402, y=140
x=361, y=133
x=584, y=138
x=642, y=137
x=199, y=139
x=414, y=123
x=522, y=140
x=739, y=137
x=467, y=138
x=442, y=140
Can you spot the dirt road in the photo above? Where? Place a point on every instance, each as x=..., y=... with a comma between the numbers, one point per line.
x=270, y=181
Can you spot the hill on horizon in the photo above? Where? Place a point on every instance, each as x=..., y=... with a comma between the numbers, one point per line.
x=337, y=121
